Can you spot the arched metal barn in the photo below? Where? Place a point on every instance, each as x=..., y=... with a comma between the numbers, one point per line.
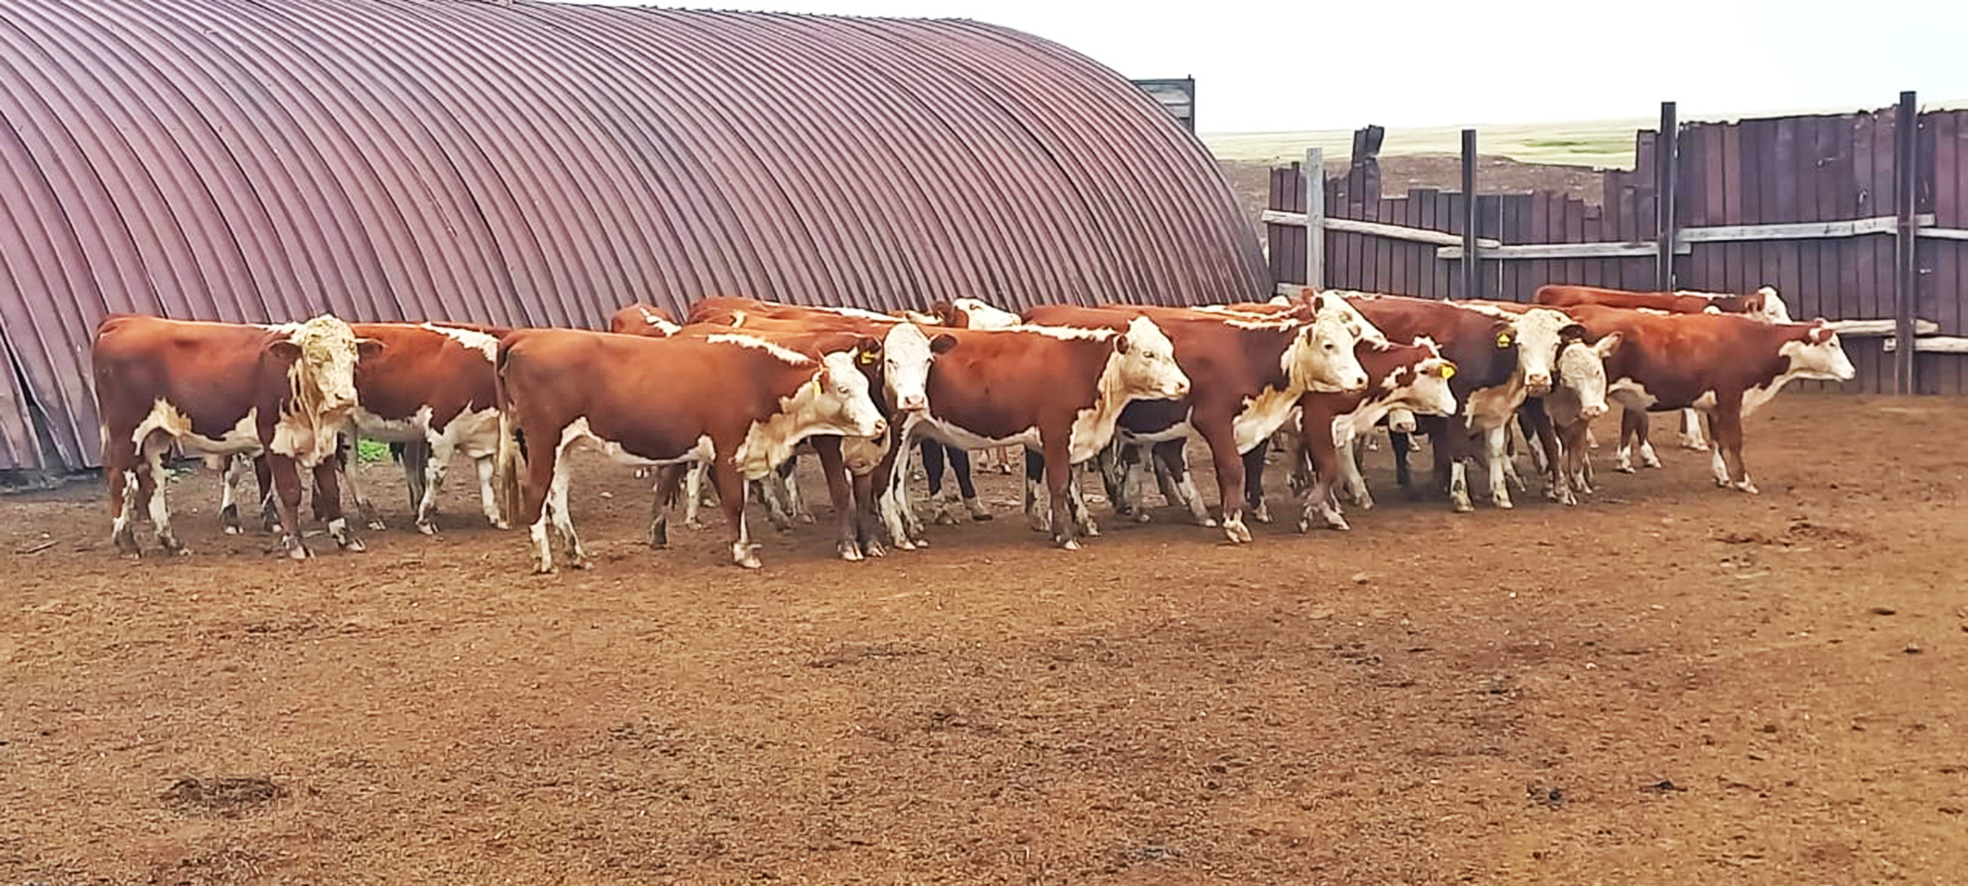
x=545, y=164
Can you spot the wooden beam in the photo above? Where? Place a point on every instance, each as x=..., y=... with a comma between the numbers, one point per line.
x=1880, y=328
x=1935, y=344
x=1375, y=229
x=1472, y=246
x=1940, y=233
x=1906, y=267
x=1667, y=171
x=1314, y=174
x=1562, y=250
x=1880, y=224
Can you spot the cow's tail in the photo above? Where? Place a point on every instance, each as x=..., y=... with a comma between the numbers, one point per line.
x=511, y=461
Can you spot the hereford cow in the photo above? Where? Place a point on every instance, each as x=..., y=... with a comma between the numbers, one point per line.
x=1724, y=365
x=1500, y=359
x=964, y=313
x=736, y=401
x=221, y=389
x=1246, y=374
x=644, y=320
x=1763, y=304
x=850, y=465
x=1060, y=389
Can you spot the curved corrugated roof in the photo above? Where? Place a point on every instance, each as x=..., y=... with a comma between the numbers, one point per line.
x=545, y=164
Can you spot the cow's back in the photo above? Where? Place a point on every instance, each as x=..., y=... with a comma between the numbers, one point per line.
x=214, y=373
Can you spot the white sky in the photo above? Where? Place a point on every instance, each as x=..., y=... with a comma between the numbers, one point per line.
x=1393, y=62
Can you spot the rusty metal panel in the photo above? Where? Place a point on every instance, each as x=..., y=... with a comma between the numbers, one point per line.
x=546, y=163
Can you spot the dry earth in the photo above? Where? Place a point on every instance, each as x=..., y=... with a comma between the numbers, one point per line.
x=1670, y=683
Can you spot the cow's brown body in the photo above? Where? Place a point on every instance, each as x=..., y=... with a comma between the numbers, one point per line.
x=1566, y=296
x=657, y=401
x=223, y=389
x=645, y=320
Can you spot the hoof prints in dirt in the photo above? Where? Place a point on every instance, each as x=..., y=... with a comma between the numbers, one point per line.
x=1800, y=530
x=222, y=797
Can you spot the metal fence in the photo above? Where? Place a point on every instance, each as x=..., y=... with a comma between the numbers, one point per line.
x=1857, y=217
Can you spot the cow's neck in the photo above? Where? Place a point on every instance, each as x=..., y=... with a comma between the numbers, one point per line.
x=769, y=441
x=1094, y=425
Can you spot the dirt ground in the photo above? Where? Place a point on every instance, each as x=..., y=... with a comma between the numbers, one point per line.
x=1670, y=683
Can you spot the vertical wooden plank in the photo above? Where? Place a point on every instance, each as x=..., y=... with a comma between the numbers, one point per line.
x=1851, y=296
x=1733, y=273
x=1424, y=212
x=1942, y=282
x=1810, y=253
x=1575, y=233
x=1906, y=155
x=1783, y=175
x=1315, y=217
x=1445, y=217
x=1471, y=253
x=1666, y=181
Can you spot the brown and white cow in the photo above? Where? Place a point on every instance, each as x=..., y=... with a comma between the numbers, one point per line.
x=1500, y=357
x=964, y=313
x=223, y=389
x=1721, y=364
x=1058, y=389
x=1246, y=373
x=1764, y=304
x=736, y=401
x=1578, y=393
x=644, y=320
x=898, y=375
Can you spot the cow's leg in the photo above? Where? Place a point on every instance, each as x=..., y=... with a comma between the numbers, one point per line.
x=326, y=492
x=694, y=494
x=415, y=457
x=892, y=503
x=1036, y=473
x=1058, y=466
x=1535, y=421
x=668, y=479
x=1316, y=436
x=1254, y=462
x=1451, y=447
x=488, y=497
x=1401, y=444
x=1572, y=449
x=1076, y=502
x=535, y=503
x=933, y=459
x=774, y=493
x=269, y=513
x=967, y=486
x=730, y=486
x=863, y=487
x=1172, y=458
x=841, y=493
x=1229, y=464
x=795, y=497
x=1495, y=443
x=1642, y=431
x=1691, y=431
x=1534, y=444
x=160, y=508
x=563, y=516
x=120, y=475
x=441, y=449
x=237, y=469
x=1725, y=426
x=1111, y=460
x=1633, y=426
x=287, y=496
x=1350, y=478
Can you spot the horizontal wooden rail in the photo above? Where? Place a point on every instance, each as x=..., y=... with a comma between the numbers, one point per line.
x=1935, y=344
x=1451, y=244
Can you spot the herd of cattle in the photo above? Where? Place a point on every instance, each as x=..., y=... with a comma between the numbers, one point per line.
x=741, y=386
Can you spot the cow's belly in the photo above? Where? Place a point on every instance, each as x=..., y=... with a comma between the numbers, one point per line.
x=950, y=434
x=1181, y=430
x=1263, y=415
x=391, y=430
x=1490, y=408
x=243, y=438
x=579, y=435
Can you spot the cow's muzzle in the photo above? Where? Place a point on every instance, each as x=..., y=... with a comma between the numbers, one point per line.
x=1539, y=384
x=915, y=404
x=1592, y=413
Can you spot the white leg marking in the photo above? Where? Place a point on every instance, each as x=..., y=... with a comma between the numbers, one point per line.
x=1198, y=512
x=1495, y=441
x=1719, y=467
x=1623, y=458
x=1647, y=456
x=1459, y=486
x=488, y=498
x=1691, y=431
x=741, y=550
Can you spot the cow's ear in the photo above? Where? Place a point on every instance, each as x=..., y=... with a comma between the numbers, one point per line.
x=368, y=347
x=868, y=350
x=1573, y=332
x=1606, y=346
x=1121, y=343
x=1822, y=332
x=284, y=349
x=942, y=343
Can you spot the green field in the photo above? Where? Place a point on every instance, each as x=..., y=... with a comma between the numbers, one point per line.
x=1597, y=143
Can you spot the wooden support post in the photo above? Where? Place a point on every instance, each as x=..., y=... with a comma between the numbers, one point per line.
x=1906, y=269
x=1472, y=255
x=1667, y=171
x=1314, y=174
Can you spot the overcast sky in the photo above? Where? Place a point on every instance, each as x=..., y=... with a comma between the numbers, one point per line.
x=1339, y=65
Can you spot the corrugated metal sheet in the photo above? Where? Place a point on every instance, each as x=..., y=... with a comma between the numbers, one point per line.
x=546, y=164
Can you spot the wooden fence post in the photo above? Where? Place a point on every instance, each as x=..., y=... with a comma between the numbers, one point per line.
x=1472, y=257
x=1667, y=170
x=1906, y=268
x=1314, y=175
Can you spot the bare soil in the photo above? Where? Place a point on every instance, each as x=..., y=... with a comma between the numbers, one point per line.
x=1670, y=683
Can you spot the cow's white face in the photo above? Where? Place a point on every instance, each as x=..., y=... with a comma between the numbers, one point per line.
x=838, y=400
x=323, y=352
x=1539, y=334
x=1332, y=304
x=1774, y=309
x=1322, y=358
x=1146, y=359
x=1819, y=356
x=1582, y=368
x=982, y=315
x=906, y=354
x=1427, y=391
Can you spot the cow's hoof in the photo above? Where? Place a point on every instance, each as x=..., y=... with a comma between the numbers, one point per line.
x=1624, y=469
x=694, y=524
x=1207, y=523
x=849, y=551
x=378, y=526
x=297, y=552
x=1745, y=486
x=1070, y=545
x=232, y=530
x=978, y=511
x=429, y=529
x=1262, y=514
x=1504, y=504
x=353, y=545
x=749, y=561
x=1141, y=516
x=1304, y=526
x=581, y=562
x=1463, y=507
x=903, y=544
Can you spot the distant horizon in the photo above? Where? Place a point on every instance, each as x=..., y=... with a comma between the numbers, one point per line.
x=1684, y=114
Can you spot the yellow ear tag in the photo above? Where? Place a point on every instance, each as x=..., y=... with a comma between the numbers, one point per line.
x=867, y=357
x=1503, y=341
x=818, y=389
x=1448, y=371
